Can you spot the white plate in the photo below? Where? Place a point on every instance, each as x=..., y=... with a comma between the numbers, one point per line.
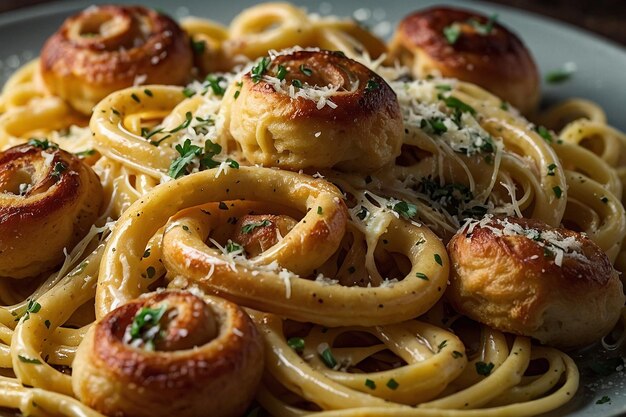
x=600, y=76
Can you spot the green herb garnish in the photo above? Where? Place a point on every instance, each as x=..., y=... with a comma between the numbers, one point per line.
x=306, y=70
x=42, y=143
x=259, y=69
x=327, y=357
x=248, y=228
x=216, y=84
x=29, y=360
x=281, y=72
x=198, y=47
x=184, y=124
x=483, y=368
x=392, y=384
x=371, y=85
x=187, y=152
x=233, y=247
x=404, y=209
x=296, y=343
x=421, y=276
x=452, y=33
x=146, y=325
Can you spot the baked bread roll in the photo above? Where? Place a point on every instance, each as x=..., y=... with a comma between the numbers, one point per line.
x=170, y=354
x=107, y=48
x=465, y=45
x=525, y=277
x=49, y=199
x=314, y=109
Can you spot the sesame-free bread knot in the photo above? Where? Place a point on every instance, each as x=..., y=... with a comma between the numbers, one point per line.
x=465, y=45
x=170, y=353
x=49, y=199
x=525, y=277
x=314, y=109
x=107, y=48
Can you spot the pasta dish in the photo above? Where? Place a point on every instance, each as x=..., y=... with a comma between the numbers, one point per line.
x=288, y=216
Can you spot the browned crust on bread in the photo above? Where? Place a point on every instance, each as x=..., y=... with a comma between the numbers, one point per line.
x=103, y=63
x=336, y=69
x=497, y=61
x=57, y=209
x=513, y=283
x=218, y=371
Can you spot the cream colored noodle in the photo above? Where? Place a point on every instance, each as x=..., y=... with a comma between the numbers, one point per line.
x=498, y=159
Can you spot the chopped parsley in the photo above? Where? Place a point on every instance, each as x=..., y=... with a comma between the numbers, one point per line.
x=198, y=47
x=57, y=170
x=146, y=326
x=484, y=29
x=421, y=276
x=605, y=399
x=557, y=191
x=371, y=85
x=296, y=343
x=216, y=84
x=436, y=124
x=248, y=228
x=370, y=384
x=42, y=143
x=438, y=259
x=148, y=92
x=187, y=152
x=456, y=354
x=47, y=324
x=150, y=272
x=32, y=306
x=458, y=105
x=562, y=74
x=135, y=97
x=392, y=384
x=25, y=359
x=320, y=211
x=327, y=357
x=452, y=33
x=306, y=70
x=442, y=345
x=404, y=209
x=281, y=72
x=259, y=69
x=233, y=247
x=184, y=124
x=544, y=133
x=483, y=368
x=296, y=83
x=85, y=153
x=551, y=169
x=188, y=92
x=604, y=200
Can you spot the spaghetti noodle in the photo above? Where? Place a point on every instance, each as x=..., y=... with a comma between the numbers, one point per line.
x=334, y=249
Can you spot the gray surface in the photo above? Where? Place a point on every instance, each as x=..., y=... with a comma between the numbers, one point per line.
x=601, y=76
